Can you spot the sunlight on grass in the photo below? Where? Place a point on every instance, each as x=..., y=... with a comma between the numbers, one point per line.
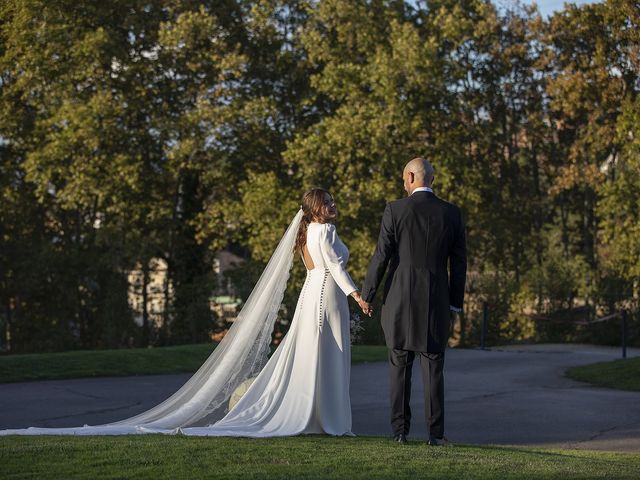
x=620, y=374
x=156, y=456
x=123, y=362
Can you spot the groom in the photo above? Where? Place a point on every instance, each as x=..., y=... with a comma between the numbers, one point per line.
x=419, y=236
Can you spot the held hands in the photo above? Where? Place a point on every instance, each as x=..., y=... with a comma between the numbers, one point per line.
x=366, y=308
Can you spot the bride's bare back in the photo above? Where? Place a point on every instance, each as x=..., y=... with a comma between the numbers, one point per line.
x=306, y=258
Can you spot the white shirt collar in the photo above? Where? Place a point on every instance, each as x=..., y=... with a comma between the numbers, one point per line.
x=422, y=189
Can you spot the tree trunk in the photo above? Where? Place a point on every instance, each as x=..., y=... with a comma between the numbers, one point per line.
x=145, y=302
x=5, y=334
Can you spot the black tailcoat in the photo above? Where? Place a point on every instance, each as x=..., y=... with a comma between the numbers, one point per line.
x=420, y=236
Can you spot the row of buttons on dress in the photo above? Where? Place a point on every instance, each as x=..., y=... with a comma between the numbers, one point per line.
x=324, y=281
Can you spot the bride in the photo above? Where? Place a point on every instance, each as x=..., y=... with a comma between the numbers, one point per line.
x=304, y=386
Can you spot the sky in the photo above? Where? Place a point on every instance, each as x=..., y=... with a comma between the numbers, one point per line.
x=547, y=7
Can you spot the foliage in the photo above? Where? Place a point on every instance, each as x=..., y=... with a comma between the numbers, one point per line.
x=138, y=131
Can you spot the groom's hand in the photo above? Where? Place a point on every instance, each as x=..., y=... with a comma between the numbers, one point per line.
x=366, y=308
x=455, y=328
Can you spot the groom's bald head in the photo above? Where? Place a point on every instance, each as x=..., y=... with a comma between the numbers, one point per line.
x=417, y=173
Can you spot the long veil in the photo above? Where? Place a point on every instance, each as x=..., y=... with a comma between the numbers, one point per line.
x=241, y=354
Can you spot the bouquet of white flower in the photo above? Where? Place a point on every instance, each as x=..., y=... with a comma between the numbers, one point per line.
x=356, y=327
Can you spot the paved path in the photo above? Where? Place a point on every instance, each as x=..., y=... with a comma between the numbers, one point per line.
x=510, y=395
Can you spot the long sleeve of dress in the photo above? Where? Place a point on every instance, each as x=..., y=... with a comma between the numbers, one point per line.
x=335, y=256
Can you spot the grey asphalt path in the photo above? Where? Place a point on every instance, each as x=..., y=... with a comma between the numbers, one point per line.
x=504, y=396
x=514, y=396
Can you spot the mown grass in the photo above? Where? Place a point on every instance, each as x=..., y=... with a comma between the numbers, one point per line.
x=153, y=456
x=368, y=353
x=124, y=362
x=623, y=374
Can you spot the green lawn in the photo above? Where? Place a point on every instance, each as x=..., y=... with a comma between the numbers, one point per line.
x=134, y=361
x=153, y=456
x=620, y=374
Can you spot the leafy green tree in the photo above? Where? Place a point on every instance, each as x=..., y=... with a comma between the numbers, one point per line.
x=138, y=131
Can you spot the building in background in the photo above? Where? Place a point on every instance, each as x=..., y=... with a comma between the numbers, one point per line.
x=151, y=291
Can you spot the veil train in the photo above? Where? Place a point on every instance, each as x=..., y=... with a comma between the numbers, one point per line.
x=242, y=353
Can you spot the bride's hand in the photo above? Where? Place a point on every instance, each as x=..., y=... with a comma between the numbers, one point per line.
x=366, y=308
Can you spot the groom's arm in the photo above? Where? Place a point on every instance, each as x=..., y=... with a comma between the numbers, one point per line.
x=458, y=266
x=381, y=257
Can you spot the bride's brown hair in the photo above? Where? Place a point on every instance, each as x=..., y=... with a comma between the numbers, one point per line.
x=312, y=209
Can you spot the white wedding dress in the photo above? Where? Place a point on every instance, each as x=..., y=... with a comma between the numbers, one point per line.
x=303, y=388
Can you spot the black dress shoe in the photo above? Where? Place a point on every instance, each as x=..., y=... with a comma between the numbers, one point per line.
x=437, y=441
x=400, y=438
